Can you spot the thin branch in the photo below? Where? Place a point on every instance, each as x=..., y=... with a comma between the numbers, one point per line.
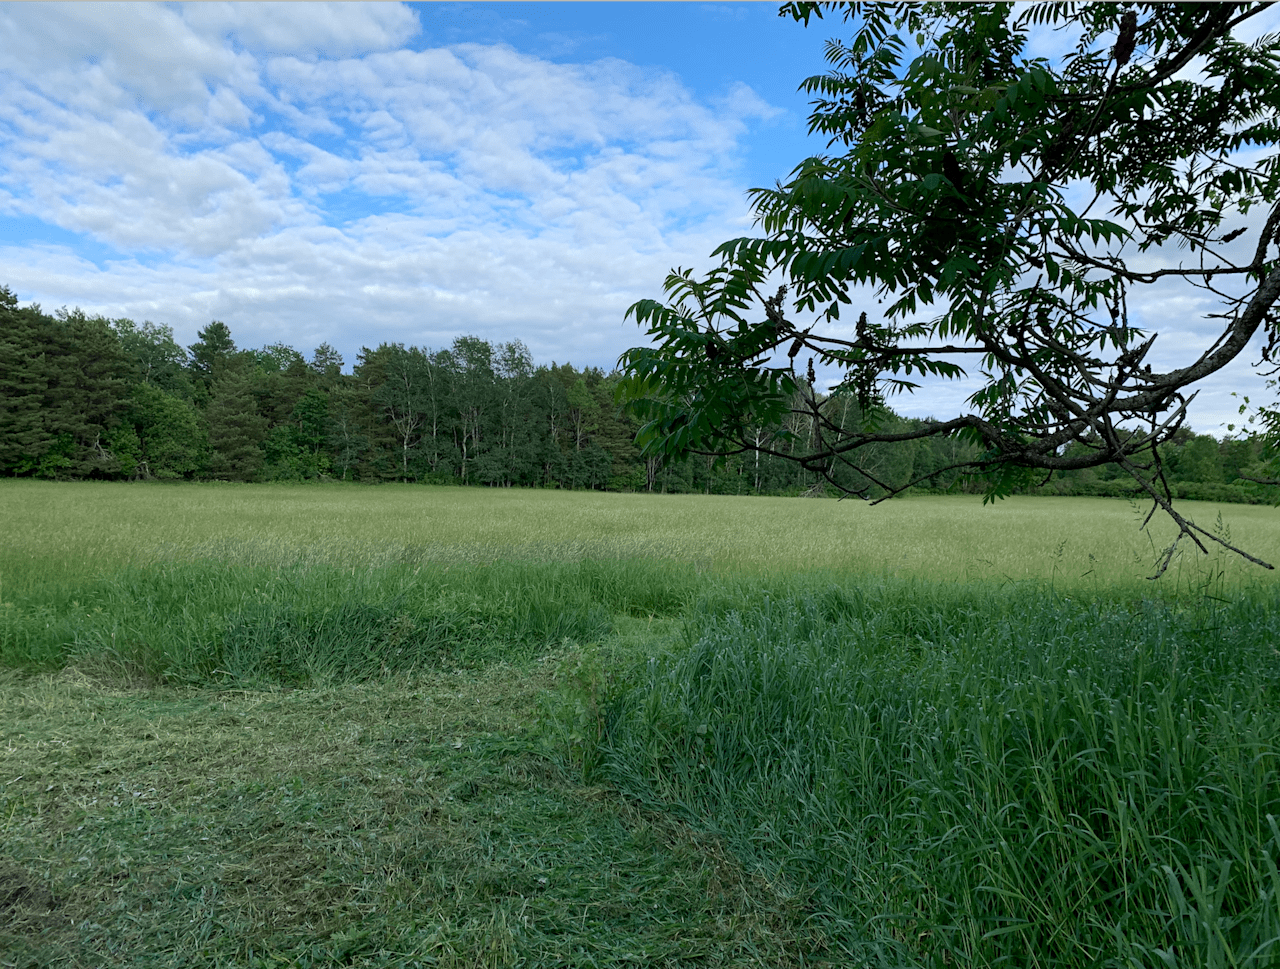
x=1185, y=526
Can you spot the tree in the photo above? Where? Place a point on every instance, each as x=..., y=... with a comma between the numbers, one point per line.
x=948, y=192
x=513, y=457
x=295, y=448
x=326, y=364
x=347, y=435
x=63, y=386
x=1199, y=459
x=25, y=440
x=236, y=429
x=402, y=379
x=155, y=354
x=277, y=358
x=1264, y=423
x=440, y=374
x=473, y=396
x=309, y=427
x=167, y=429
x=91, y=390
x=213, y=353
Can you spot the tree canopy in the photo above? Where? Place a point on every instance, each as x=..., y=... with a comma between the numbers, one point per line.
x=1018, y=199
x=89, y=397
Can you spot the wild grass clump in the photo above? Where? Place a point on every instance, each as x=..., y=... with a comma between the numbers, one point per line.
x=210, y=621
x=967, y=775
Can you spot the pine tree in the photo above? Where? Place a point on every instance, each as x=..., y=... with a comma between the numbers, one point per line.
x=92, y=393
x=236, y=429
x=326, y=364
x=212, y=354
x=62, y=389
x=24, y=380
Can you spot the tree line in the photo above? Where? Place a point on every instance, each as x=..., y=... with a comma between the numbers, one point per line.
x=86, y=397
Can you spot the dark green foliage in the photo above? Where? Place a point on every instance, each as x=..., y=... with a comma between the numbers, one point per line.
x=277, y=358
x=24, y=378
x=326, y=364
x=155, y=355
x=400, y=380
x=90, y=394
x=170, y=439
x=945, y=206
x=88, y=397
x=1261, y=463
x=236, y=429
x=308, y=427
x=63, y=386
x=347, y=431
x=212, y=354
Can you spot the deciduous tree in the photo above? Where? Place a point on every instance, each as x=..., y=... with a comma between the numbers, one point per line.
x=156, y=356
x=170, y=440
x=1017, y=199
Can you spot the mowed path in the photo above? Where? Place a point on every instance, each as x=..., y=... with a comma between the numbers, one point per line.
x=400, y=823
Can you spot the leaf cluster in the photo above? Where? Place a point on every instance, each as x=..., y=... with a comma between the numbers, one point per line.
x=1017, y=198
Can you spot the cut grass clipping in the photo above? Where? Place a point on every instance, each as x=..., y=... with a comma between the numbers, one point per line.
x=270, y=726
x=407, y=822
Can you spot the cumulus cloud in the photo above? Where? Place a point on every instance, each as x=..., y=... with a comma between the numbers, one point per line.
x=304, y=175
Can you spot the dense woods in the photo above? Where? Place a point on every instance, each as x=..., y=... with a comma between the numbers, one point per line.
x=89, y=397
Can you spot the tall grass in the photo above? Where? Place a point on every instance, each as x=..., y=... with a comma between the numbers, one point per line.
x=55, y=531
x=304, y=623
x=960, y=775
x=966, y=735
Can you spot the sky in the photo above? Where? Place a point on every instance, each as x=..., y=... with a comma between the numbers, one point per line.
x=367, y=173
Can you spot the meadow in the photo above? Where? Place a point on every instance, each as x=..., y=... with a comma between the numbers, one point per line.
x=55, y=530
x=408, y=726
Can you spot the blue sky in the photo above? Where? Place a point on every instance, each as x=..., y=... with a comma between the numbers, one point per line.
x=382, y=172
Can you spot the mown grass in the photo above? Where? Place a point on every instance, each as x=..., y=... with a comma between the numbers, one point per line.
x=407, y=822
x=921, y=734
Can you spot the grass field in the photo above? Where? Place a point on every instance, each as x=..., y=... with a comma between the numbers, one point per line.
x=410, y=726
x=76, y=529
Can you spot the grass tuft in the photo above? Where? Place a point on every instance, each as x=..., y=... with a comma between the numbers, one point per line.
x=960, y=774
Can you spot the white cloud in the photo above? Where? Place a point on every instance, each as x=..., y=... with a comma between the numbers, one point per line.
x=300, y=174
x=318, y=30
